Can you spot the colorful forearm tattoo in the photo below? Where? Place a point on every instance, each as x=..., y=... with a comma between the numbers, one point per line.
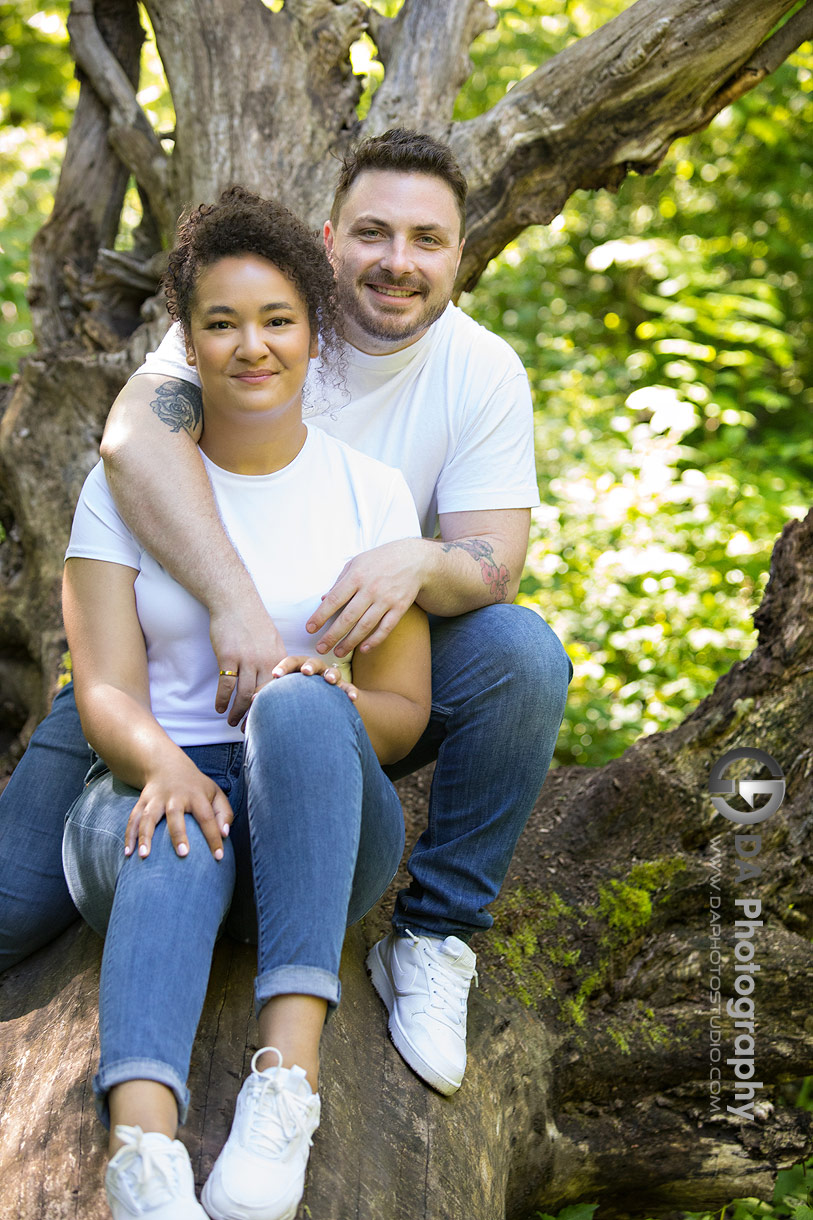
x=495, y=575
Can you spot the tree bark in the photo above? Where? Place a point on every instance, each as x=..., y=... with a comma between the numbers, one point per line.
x=91, y=189
x=589, y=1036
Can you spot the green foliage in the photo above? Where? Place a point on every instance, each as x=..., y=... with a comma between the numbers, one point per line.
x=529, y=33
x=37, y=95
x=667, y=337
x=576, y=1211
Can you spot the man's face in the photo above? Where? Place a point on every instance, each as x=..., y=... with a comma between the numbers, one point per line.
x=395, y=249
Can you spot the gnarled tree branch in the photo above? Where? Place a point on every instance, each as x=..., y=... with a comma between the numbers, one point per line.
x=427, y=63
x=796, y=30
x=131, y=135
x=91, y=189
x=609, y=103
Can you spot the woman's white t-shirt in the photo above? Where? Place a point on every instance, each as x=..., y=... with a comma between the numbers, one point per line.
x=294, y=530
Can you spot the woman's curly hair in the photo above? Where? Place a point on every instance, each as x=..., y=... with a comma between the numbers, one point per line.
x=244, y=223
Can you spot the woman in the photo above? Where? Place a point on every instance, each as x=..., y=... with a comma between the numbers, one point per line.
x=180, y=802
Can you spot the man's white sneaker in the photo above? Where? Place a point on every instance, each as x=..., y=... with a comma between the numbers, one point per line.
x=150, y=1176
x=424, y=982
x=260, y=1174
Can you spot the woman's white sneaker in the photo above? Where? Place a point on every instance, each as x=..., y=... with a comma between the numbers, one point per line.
x=260, y=1174
x=151, y=1176
x=424, y=982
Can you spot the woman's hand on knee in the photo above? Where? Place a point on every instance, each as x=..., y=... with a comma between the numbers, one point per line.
x=172, y=793
x=313, y=666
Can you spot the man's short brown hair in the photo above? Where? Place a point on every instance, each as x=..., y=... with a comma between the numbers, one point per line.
x=403, y=152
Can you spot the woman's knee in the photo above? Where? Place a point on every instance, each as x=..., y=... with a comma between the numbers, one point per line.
x=295, y=704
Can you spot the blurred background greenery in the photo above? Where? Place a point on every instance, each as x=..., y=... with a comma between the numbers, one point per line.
x=666, y=332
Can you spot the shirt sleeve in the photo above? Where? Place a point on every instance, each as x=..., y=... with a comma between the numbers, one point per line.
x=493, y=462
x=169, y=358
x=98, y=531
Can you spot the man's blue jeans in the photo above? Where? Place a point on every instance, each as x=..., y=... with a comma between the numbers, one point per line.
x=499, y=682
x=318, y=835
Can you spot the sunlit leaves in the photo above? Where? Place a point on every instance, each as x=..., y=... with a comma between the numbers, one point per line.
x=37, y=94
x=667, y=337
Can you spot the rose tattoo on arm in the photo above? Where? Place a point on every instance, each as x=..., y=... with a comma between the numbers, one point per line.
x=179, y=405
x=495, y=575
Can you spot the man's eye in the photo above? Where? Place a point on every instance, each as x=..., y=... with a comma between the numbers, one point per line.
x=370, y=233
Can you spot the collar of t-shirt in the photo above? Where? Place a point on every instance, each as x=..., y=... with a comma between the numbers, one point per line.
x=364, y=370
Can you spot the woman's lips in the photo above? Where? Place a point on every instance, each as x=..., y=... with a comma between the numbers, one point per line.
x=254, y=378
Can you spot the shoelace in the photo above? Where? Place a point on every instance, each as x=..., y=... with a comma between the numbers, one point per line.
x=450, y=990
x=151, y=1173
x=273, y=1103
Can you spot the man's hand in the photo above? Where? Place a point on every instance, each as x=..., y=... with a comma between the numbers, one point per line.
x=373, y=592
x=247, y=646
x=178, y=788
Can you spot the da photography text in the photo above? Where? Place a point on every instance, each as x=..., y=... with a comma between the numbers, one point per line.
x=734, y=1061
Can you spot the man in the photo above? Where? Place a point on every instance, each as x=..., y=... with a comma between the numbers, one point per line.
x=429, y=391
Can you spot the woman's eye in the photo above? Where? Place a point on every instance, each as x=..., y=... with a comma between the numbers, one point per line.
x=221, y=325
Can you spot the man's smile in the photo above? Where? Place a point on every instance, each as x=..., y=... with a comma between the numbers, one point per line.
x=402, y=293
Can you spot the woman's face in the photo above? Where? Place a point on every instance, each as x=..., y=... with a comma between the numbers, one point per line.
x=250, y=338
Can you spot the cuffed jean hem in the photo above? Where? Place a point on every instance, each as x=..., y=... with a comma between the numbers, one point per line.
x=138, y=1069
x=296, y=980
x=400, y=928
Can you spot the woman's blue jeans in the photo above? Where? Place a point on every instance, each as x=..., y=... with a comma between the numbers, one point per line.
x=499, y=683
x=317, y=837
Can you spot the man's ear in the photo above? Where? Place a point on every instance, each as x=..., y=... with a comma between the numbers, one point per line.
x=327, y=233
x=459, y=255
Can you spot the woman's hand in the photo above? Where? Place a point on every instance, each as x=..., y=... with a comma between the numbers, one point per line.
x=179, y=788
x=315, y=665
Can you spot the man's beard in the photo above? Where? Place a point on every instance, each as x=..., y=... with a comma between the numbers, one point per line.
x=379, y=325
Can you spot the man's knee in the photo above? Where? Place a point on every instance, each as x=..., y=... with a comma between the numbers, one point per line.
x=516, y=641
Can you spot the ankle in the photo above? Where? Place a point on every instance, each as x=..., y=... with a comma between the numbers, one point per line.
x=292, y=1056
x=145, y=1104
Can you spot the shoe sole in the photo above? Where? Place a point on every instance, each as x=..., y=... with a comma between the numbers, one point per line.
x=380, y=980
x=239, y=1214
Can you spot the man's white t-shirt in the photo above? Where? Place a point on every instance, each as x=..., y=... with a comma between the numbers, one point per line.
x=294, y=530
x=452, y=411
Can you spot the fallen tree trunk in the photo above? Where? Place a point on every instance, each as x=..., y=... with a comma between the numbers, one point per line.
x=590, y=1040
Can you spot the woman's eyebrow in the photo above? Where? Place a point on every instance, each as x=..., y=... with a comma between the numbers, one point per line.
x=263, y=308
